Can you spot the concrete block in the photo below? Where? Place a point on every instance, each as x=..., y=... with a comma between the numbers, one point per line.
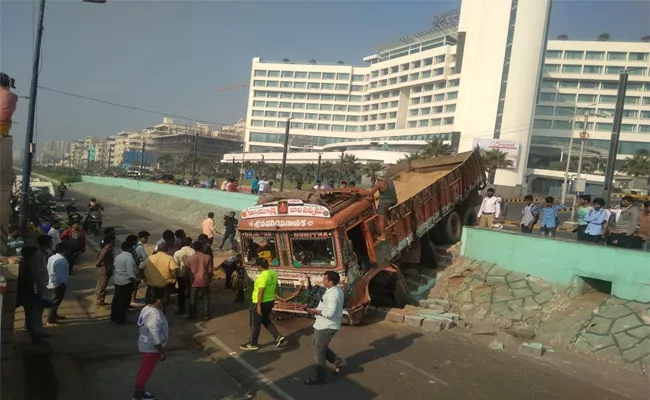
x=410, y=310
x=413, y=320
x=433, y=325
x=485, y=332
x=395, y=317
x=370, y=311
x=427, y=312
x=461, y=324
x=495, y=345
x=532, y=349
x=452, y=316
x=448, y=323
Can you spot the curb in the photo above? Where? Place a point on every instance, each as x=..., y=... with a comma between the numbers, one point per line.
x=517, y=223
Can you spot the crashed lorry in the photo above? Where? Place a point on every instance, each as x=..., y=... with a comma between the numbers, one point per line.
x=304, y=233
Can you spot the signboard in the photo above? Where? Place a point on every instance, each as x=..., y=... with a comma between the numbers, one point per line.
x=510, y=147
x=280, y=223
x=289, y=208
x=580, y=185
x=249, y=174
x=310, y=235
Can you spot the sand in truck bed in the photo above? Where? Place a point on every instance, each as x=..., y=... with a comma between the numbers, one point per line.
x=411, y=183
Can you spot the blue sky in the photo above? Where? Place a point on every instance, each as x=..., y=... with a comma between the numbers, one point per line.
x=171, y=55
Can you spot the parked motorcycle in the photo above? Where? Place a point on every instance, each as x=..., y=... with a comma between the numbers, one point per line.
x=73, y=215
x=93, y=221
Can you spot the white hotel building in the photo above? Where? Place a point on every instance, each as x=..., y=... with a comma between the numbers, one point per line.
x=480, y=78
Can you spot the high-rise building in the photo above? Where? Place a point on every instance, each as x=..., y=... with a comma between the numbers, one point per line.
x=472, y=79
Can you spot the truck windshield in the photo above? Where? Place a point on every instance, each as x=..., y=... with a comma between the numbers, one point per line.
x=259, y=245
x=314, y=249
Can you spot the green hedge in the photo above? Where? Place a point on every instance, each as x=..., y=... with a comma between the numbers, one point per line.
x=61, y=174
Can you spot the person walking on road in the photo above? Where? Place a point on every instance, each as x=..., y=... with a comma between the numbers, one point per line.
x=123, y=281
x=161, y=273
x=549, y=220
x=183, y=276
x=104, y=265
x=490, y=210
x=57, y=271
x=75, y=237
x=328, y=322
x=263, y=302
x=595, y=220
x=230, y=224
x=201, y=268
x=644, y=226
x=154, y=333
x=207, y=227
x=529, y=215
x=584, y=209
x=626, y=224
x=139, y=254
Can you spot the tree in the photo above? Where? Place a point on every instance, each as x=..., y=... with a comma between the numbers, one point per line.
x=349, y=166
x=292, y=173
x=436, y=148
x=646, y=39
x=165, y=161
x=340, y=62
x=604, y=37
x=308, y=172
x=563, y=37
x=271, y=171
x=328, y=170
x=491, y=160
x=372, y=170
x=638, y=165
x=312, y=61
x=285, y=60
x=411, y=157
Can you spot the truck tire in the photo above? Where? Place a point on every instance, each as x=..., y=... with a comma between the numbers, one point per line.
x=453, y=228
x=469, y=217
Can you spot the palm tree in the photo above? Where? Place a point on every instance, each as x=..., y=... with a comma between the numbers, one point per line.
x=491, y=160
x=372, y=170
x=312, y=61
x=436, y=148
x=340, y=62
x=604, y=37
x=328, y=170
x=646, y=39
x=272, y=170
x=308, y=172
x=638, y=165
x=349, y=166
x=165, y=161
x=292, y=173
x=563, y=37
x=411, y=157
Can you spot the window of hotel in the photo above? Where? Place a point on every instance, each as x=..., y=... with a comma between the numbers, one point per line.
x=373, y=85
x=311, y=116
x=325, y=117
x=589, y=85
x=383, y=71
x=300, y=85
x=646, y=100
x=393, y=103
x=326, y=107
x=270, y=114
x=272, y=104
x=324, y=127
x=546, y=83
x=638, y=71
x=544, y=110
x=314, y=85
x=329, y=75
x=413, y=124
x=573, y=55
x=553, y=53
x=414, y=112
x=392, y=114
x=587, y=98
x=427, y=61
x=571, y=69
x=313, y=96
x=390, y=125
x=448, y=121
x=338, y=117
x=299, y=106
x=355, y=98
x=610, y=86
x=438, y=71
x=439, y=59
x=644, y=128
x=638, y=56
x=566, y=111
x=286, y=84
x=542, y=124
x=450, y=108
x=436, y=122
x=353, y=118
x=274, y=74
x=260, y=73
x=569, y=84
x=426, y=74
x=608, y=112
x=416, y=100
x=426, y=99
x=315, y=75
x=613, y=70
x=357, y=88
x=439, y=97
x=454, y=82
x=595, y=55
x=565, y=97
x=551, y=67
x=300, y=75
x=374, y=74
x=632, y=100
x=416, y=64
x=437, y=109
x=298, y=115
x=287, y=74
x=645, y=114
x=341, y=97
x=258, y=113
x=343, y=77
x=374, y=106
x=440, y=85
x=338, y=128
x=593, y=69
x=273, y=95
x=285, y=104
x=310, y=126
x=452, y=95
x=371, y=127
x=404, y=67
x=561, y=125
x=270, y=124
x=616, y=55
x=256, y=122
x=547, y=97
x=605, y=127
x=284, y=114
x=312, y=106
x=607, y=99
x=297, y=125
x=358, y=78
x=328, y=86
x=349, y=128
x=635, y=86
x=423, y=123
x=630, y=114
x=258, y=103
x=354, y=108
x=425, y=111
x=286, y=95
x=258, y=83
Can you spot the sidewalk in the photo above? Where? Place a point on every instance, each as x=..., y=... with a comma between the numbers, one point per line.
x=94, y=358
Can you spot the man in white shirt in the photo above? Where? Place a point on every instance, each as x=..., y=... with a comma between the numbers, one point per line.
x=183, y=276
x=263, y=186
x=139, y=254
x=58, y=270
x=318, y=185
x=328, y=321
x=123, y=279
x=54, y=234
x=490, y=210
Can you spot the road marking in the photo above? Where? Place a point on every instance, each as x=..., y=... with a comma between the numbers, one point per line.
x=423, y=372
x=257, y=374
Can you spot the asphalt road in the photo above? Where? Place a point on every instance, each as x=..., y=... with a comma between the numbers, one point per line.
x=386, y=361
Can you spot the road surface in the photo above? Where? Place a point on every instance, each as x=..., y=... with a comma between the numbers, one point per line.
x=386, y=361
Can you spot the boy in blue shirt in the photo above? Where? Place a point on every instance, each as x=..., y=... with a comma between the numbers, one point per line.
x=548, y=219
x=595, y=219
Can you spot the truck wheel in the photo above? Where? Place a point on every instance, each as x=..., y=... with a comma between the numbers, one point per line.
x=453, y=228
x=469, y=217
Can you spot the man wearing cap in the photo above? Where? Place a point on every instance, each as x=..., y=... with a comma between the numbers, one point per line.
x=8, y=101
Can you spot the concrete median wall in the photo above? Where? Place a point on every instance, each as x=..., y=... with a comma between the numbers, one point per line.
x=228, y=200
x=562, y=262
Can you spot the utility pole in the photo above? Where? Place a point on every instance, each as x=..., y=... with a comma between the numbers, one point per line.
x=616, y=133
x=142, y=154
x=341, y=168
x=196, y=146
x=284, y=153
x=110, y=156
x=88, y=159
x=243, y=150
x=233, y=168
x=565, y=185
x=262, y=172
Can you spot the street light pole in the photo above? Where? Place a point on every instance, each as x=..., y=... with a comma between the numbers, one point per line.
x=565, y=187
x=284, y=153
x=243, y=151
x=616, y=133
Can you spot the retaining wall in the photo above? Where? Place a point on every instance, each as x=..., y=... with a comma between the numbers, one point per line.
x=229, y=200
x=560, y=262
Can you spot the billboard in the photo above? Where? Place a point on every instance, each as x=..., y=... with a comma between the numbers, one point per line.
x=510, y=147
